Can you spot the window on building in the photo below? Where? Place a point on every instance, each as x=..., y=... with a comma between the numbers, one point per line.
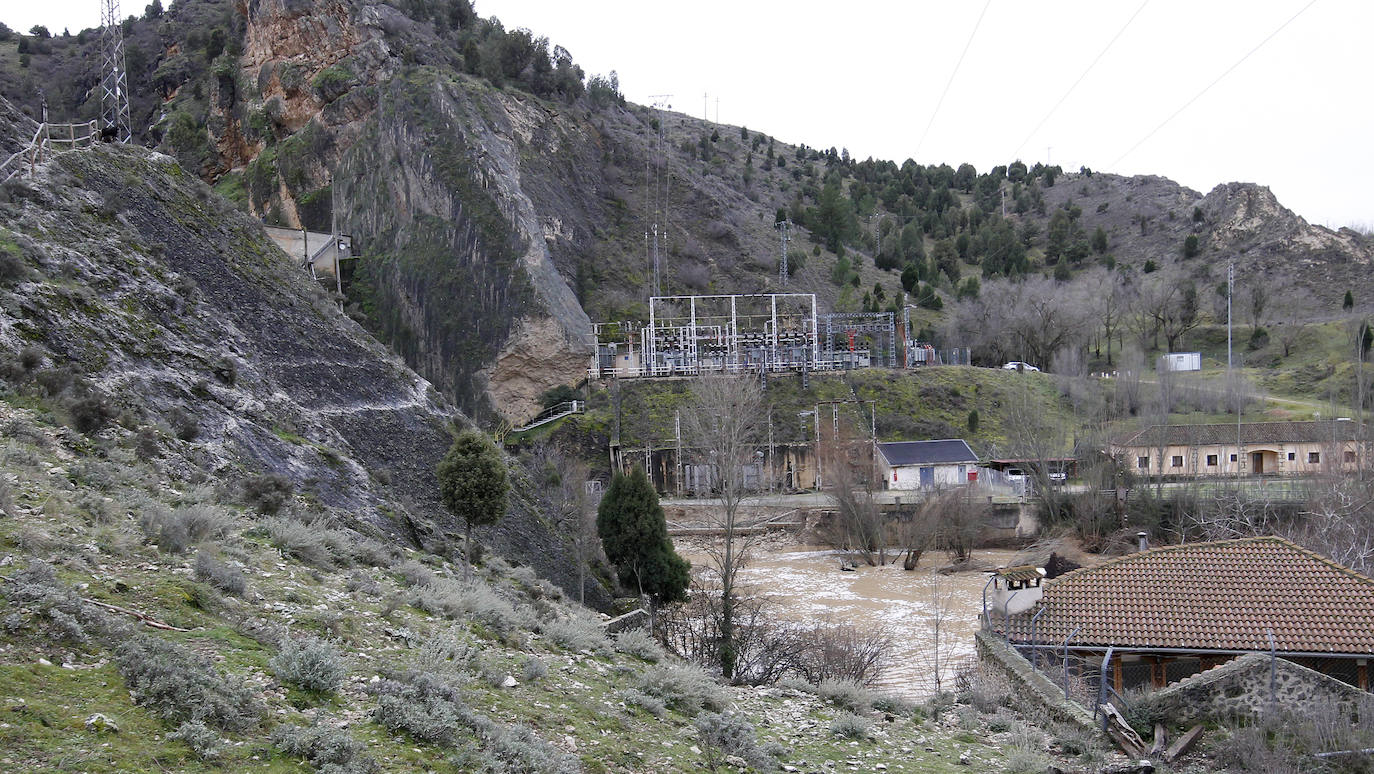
x=1233, y=458
x=1350, y=457
x=1211, y=460
x=1292, y=456
x=1176, y=461
x=1142, y=462
x=1314, y=456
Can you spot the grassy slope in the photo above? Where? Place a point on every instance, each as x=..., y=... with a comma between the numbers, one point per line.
x=67, y=507
x=911, y=405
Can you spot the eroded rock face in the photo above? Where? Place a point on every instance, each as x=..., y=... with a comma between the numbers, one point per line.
x=464, y=283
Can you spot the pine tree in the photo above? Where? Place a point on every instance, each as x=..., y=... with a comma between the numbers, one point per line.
x=473, y=484
x=1348, y=302
x=634, y=534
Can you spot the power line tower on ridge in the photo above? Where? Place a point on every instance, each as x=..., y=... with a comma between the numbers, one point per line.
x=784, y=227
x=114, y=81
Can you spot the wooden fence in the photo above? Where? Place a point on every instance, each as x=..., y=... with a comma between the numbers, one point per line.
x=47, y=139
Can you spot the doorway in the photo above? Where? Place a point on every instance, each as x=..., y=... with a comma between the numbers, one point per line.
x=1257, y=463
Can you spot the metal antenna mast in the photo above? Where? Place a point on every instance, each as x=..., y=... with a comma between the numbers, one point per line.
x=785, y=227
x=114, y=81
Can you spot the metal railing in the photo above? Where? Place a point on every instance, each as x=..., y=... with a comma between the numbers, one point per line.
x=48, y=138
x=554, y=412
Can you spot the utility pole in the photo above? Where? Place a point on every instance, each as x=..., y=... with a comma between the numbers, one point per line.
x=114, y=81
x=784, y=227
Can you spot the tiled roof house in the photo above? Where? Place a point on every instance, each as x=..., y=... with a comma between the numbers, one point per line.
x=1180, y=609
x=1249, y=448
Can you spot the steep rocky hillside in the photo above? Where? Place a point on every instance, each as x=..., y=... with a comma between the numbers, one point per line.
x=502, y=201
x=159, y=321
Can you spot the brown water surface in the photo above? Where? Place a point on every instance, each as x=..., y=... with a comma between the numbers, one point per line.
x=806, y=584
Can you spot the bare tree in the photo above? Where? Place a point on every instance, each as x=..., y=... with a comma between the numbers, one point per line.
x=571, y=506
x=1110, y=301
x=858, y=523
x=1036, y=436
x=1292, y=313
x=722, y=428
x=1338, y=521
x=1175, y=306
x=917, y=531
x=940, y=604
x=960, y=520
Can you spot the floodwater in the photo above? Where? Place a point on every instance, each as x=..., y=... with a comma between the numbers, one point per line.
x=807, y=585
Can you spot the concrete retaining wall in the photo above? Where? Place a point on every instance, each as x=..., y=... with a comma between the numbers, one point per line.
x=1035, y=694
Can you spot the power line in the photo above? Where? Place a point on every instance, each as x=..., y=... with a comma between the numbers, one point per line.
x=1091, y=65
x=953, y=73
x=1209, y=86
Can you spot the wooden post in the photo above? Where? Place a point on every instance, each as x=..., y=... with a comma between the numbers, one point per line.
x=1362, y=673
x=1116, y=674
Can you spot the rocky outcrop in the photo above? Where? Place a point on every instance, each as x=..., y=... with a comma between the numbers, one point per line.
x=458, y=275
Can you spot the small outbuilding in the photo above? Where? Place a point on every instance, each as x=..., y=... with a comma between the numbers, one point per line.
x=926, y=464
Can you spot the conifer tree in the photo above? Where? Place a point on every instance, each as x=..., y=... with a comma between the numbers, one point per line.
x=473, y=484
x=634, y=534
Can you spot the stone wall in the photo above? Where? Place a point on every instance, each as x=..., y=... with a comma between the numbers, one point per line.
x=1240, y=688
x=1034, y=693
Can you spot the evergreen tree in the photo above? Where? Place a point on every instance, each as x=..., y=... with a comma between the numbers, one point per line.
x=1348, y=302
x=473, y=484
x=634, y=534
x=1099, y=241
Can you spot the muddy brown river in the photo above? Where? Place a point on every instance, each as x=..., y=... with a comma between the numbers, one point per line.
x=806, y=584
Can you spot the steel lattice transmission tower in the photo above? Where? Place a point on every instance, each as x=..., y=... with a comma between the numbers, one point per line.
x=114, y=81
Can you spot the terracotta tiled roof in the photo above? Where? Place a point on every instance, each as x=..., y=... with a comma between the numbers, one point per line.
x=1210, y=596
x=1251, y=433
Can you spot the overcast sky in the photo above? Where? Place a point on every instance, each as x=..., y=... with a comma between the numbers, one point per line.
x=868, y=75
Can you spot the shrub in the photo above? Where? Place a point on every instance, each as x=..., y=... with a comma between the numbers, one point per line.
x=474, y=600
x=850, y=726
x=330, y=749
x=202, y=739
x=362, y=583
x=423, y=705
x=313, y=664
x=90, y=413
x=579, y=635
x=522, y=750
x=183, y=424
x=12, y=267
x=220, y=575
x=894, y=705
x=651, y=704
x=1023, y=760
x=177, y=530
x=534, y=669
x=413, y=573
x=846, y=693
x=301, y=541
x=267, y=492
x=726, y=733
x=640, y=644
x=179, y=685
x=686, y=689
x=38, y=599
